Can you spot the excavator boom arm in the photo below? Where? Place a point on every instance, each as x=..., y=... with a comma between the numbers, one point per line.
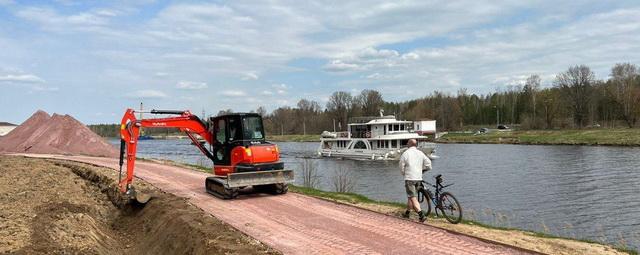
x=130, y=131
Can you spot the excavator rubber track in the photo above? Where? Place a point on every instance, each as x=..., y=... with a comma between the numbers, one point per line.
x=228, y=187
x=218, y=187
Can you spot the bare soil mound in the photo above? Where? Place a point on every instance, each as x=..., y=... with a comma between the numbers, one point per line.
x=57, y=134
x=61, y=207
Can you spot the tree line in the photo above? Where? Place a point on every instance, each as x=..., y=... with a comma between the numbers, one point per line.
x=576, y=99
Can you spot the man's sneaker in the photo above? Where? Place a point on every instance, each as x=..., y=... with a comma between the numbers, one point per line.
x=422, y=216
x=406, y=214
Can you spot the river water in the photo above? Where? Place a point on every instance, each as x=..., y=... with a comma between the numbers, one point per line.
x=573, y=191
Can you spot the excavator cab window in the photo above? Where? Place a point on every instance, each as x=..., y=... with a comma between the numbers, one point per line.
x=252, y=127
x=240, y=129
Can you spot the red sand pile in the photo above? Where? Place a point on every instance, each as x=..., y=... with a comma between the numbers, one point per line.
x=57, y=134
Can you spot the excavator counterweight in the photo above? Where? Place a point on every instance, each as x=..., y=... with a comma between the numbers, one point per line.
x=237, y=147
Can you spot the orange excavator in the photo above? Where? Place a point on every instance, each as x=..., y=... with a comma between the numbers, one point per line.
x=237, y=147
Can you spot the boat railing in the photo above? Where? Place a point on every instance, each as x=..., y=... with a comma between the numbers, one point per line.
x=342, y=134
x=399, y=132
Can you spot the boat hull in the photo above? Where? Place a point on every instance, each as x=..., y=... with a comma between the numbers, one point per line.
x=373, y=154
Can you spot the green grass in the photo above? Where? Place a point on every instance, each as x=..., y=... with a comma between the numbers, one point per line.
x=344, y=197
x=353, y=198
x=615, y=137
x=294, y=138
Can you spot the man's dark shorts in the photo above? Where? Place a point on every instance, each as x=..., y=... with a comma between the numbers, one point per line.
x=412, y=188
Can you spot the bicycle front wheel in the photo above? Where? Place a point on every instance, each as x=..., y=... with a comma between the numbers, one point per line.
x=450, y=208
x=426, y=204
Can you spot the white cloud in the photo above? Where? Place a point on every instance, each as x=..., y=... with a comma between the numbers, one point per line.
x=234, y=93
x=339, y=66
x=190, y=85
x=20, y=78
x=45, y=89
x=147, y=94
x=250, y=76
x=395, y=47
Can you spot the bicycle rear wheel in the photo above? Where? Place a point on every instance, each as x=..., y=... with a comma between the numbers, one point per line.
x=450, y=208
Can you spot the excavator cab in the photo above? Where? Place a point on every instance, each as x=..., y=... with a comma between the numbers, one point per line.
x=233, y=130
x=240, y=145
x=242, y=157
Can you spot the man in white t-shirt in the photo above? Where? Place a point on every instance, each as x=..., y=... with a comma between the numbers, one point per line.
x=412, y=163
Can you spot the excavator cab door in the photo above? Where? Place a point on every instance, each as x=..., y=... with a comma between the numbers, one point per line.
x=221, y=150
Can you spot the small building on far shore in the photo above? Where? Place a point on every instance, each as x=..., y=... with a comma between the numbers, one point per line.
x=425, y=126
x=6, y=127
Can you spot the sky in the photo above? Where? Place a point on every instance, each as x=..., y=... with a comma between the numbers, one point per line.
x=94, y=59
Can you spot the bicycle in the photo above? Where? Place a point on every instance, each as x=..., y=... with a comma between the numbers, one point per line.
x=447, y=203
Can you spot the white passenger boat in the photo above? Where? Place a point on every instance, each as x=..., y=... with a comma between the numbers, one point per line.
x=378, y=138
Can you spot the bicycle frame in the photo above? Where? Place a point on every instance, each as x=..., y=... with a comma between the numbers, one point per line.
x=423, y=190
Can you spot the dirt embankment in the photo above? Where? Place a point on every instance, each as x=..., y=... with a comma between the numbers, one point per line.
x=60, y=207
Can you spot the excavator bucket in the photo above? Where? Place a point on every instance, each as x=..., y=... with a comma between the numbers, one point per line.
x=236, y=180
x=137, y=198
x=142, y=198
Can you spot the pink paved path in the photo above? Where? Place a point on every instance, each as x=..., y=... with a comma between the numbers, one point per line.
x=298, y=224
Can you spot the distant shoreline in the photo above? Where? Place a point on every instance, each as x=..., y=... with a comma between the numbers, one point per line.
x=584, y=137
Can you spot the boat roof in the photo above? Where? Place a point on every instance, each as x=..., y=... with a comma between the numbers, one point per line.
x=382, y=121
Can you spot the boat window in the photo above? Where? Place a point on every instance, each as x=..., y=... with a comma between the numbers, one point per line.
x=360, y=145
x=386, y=144
x=394, y=144
x=396, y=127
x=403, y=143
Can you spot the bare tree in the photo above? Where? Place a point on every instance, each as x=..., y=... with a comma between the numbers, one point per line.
x=550, y=104
x=308, y=106
x=310, y=177
x=339, y=105
x=262, y=111
x=370, y=101
x=576, y=84
x=223, y=112
x=531, y=87
x=343, y=180
x=624, y=90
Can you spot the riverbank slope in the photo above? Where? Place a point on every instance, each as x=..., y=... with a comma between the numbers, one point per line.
x=539, y=242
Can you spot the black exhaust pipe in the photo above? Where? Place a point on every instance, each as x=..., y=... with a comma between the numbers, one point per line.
x=166, y=112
